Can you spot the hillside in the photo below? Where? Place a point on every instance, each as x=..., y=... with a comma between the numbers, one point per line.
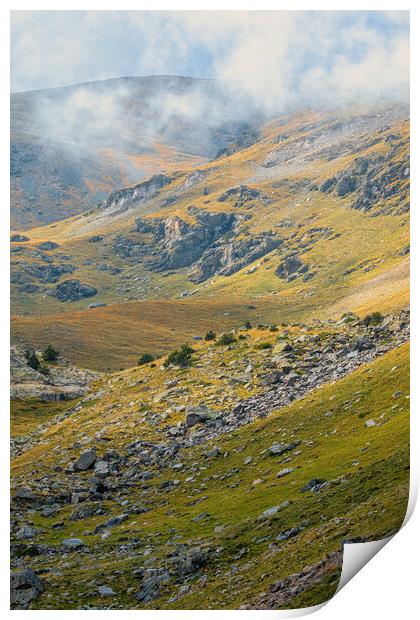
x=71, y=146
x=309, y=221
x=165, y=487
x=224, y=399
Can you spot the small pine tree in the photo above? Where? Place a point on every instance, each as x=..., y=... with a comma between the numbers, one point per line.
x=145, y=359
x=181, y=357
x=32, y=360
x=50, y=354
x=211, y=335
x=226, y=339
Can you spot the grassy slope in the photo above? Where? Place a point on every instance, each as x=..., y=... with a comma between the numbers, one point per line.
x=369, y=465
x=121, y=331
x=27, y=415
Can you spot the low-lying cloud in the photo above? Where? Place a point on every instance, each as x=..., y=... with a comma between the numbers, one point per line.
x=268, y=62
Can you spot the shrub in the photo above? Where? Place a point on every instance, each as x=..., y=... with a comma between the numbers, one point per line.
x=32, y=360
x=225, y=339
x=44, y=370
x=145, y=359
x=273, y=328
x=373, y=319
x=263, y=345
x=50, y=354
x=181, y=357
x=210, y=335
x=248, y=325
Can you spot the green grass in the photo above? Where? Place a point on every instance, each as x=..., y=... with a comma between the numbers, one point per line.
x=368, y=498
x=27, y=415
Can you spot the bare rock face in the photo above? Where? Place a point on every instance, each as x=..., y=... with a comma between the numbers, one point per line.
x=63, y=381
x=228, y=258
x=125, y=199
x=183, y=244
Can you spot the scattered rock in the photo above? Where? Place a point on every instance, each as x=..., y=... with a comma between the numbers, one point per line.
x=106, y=591
x=25, y=587
x=285, y=472
x=73, y=543
x=85, y=461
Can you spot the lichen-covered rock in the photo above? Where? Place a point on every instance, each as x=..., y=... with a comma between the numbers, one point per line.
x=72, y=290
x=25, y=587
x=85, y=461
x=291, y=268
x=243, y=195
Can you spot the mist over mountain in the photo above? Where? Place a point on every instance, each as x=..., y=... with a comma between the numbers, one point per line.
x=71, y=146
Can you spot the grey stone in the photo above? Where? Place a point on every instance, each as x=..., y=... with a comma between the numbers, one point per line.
x=106, y=591
x=85, y=461
x=73, y=543
x=285, y=472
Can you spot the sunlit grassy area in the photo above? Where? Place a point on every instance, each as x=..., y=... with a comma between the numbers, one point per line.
x=367, y=469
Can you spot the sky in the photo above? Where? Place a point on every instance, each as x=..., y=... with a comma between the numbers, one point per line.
x=272, y=56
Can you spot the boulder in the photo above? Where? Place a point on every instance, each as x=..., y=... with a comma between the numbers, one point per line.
x=106, y=591
x=313, y=485
x=72, y=290
x=47, y=245
x=25, y=532
x=280, y=448
x=73, y=543
x=25, y=587
x=102, y=469
x=85, y=461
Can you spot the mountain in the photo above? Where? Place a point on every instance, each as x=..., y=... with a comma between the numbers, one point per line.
x=71, y=146
x=310, y=220
x=209, y=363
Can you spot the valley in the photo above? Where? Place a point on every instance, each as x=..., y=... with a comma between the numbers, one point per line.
x=227, y=304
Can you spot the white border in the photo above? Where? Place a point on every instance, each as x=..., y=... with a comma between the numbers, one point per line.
x=387, y=585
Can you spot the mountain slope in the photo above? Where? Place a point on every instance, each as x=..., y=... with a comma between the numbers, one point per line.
x=309, y=221
x=71, y=146
x=209, y=515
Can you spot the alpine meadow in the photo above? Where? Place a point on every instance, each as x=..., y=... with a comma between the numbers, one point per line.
x=210, y=304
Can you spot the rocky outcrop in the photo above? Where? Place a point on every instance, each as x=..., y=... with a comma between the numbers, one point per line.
x=72, y=290
x=24, y=273
x=291, y=268
x=18, y=238
x=62, y=382
x=48, y=245
x=125, y=199
x=182, y=244
x=376, y=183
x=243, y=195
x=226, y=258
x=211, y=245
